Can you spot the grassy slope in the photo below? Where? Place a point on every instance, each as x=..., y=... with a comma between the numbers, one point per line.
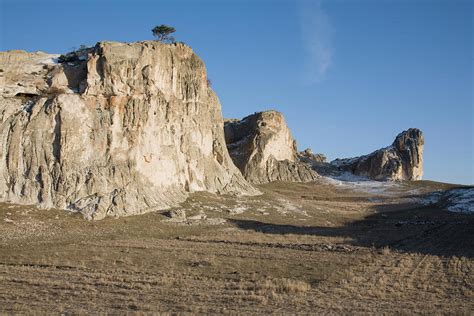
x=298, y=248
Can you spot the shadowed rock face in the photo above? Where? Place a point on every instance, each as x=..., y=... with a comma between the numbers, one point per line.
x=262, y=147
x=308, y=156
x=129, y=128
x=403, y=160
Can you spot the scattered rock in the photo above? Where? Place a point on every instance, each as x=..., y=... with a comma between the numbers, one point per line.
x=236, y=210
x=198, y=217
x=177, y=214
x=215, y=221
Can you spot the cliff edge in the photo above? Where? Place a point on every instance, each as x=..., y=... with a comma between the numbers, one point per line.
x=123, y=129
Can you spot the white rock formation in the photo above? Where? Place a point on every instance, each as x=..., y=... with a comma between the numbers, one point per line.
x=128, y=129
x=262, y=147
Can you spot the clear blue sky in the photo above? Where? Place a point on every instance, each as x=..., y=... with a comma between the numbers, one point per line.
x=348, y=75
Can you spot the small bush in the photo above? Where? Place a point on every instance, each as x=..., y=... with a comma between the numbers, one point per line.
x=282, y=286
x=74, y=55
x=162, y=33
x=385, y=250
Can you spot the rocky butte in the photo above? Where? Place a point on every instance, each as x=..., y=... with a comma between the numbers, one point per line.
x=262, y=147
x=122, y=129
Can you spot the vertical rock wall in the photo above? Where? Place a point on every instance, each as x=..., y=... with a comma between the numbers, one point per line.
x=130, y=128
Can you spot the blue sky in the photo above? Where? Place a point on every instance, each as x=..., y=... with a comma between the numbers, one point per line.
x=348, y=75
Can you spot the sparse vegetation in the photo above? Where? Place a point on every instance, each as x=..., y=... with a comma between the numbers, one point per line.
x=75, y=54
x=270, y=258
x=385, y=250
x=162, y=33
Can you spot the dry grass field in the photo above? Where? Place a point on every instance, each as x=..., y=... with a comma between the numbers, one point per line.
x=298, y=248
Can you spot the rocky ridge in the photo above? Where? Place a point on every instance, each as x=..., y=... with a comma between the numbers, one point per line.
x=403, y=160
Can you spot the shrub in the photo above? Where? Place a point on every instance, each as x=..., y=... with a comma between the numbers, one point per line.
x=162, y=33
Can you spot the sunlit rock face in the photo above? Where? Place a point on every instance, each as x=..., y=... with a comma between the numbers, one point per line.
x=124, y=129
x=403, y=160
x=262, y=147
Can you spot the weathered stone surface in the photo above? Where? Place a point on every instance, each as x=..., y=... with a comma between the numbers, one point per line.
x=403, y=160
x=24, y=74
x=262, y=147
x=308, y=156
x=132, y=128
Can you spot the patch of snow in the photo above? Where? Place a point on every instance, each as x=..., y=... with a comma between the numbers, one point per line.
x=461, y=200
x=344, y=161
x=431, y=198
x=51, y=60
x=362, y=184
x=238, y=122
x=348, y=161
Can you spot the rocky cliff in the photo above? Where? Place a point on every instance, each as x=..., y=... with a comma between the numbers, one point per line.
x=122, y=129
x=403, y=160
x=262, y=147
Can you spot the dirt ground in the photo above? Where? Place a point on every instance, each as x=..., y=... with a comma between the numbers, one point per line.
x=298, y=248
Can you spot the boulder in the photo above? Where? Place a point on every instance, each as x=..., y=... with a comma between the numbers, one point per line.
x=130, y=128
x=262, y=147
x=403, y=160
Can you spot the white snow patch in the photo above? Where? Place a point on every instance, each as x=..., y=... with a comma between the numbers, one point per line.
x=339, y=162
x=431, y=198
x=362, y=184
x=51, y=60
x=461, y=200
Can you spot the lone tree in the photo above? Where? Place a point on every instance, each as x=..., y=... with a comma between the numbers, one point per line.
x=162, y=33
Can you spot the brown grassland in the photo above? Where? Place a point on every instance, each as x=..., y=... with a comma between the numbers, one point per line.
x=298, y=248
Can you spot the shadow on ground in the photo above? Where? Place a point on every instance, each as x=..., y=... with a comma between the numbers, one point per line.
x=418, y=230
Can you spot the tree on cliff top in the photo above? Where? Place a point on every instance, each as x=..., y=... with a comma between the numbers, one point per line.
x=162, y=33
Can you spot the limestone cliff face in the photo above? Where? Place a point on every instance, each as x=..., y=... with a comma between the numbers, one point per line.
x=403, y=160
x=125, y=129
x=262, y=147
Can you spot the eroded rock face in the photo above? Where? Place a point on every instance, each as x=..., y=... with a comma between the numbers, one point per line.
x=132, y=128
x=403, y=160
x=308, y=156
x=262, y=147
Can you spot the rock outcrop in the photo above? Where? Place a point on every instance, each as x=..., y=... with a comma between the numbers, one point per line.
x=262, y=147
x=308, y=156
x=403, y=160
x=127, y=129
